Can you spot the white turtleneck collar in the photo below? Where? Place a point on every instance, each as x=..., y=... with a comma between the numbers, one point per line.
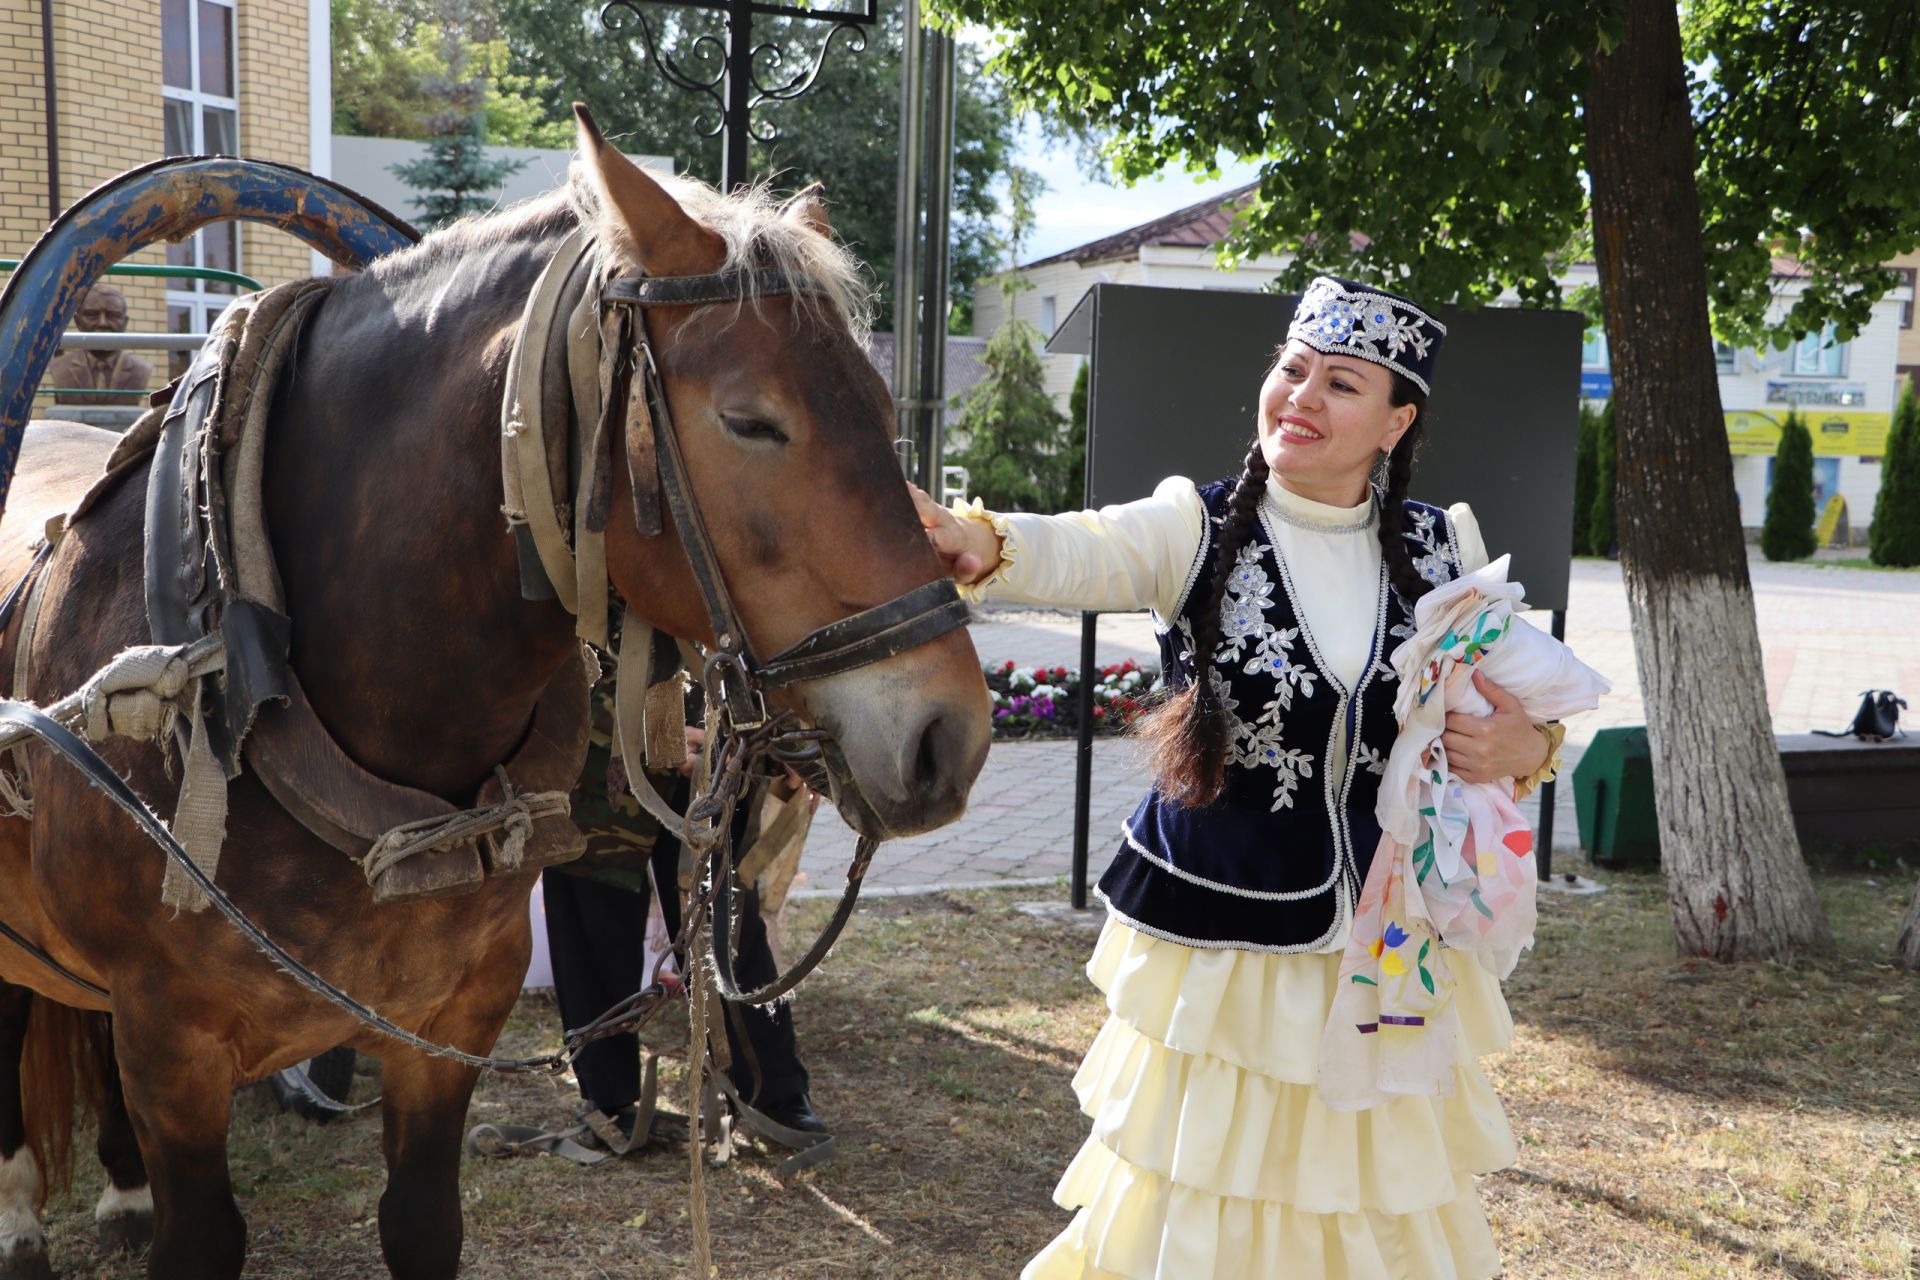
x=1319, y=516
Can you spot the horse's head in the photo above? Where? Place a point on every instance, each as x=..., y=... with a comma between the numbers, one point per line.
x=787, y=430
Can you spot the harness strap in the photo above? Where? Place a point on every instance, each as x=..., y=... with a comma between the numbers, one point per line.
x=528, y=482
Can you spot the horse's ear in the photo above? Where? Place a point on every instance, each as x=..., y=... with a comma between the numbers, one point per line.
x=809, y=208
x=636, y=213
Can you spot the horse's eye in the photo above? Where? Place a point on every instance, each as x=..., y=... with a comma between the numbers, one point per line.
x=753, y=429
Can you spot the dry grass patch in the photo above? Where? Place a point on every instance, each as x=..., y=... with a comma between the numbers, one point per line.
x=1676, y=1119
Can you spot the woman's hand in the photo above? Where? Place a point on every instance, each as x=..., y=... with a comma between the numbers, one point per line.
x=969, y=549
x=1488, y=748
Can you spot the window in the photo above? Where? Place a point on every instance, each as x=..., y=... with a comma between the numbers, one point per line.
x=201, y=117
x=1724, y=357
x=1593, y=352
x=1907, y=276
x=1047, y=316
x=1818, y=356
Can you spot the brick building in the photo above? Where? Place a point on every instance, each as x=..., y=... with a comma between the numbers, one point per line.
x=134, y=80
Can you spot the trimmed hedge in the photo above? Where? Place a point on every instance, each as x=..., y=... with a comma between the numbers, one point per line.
x=1894, y=539
x=1788, y=531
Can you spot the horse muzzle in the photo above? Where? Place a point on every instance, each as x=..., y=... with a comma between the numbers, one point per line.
x=902, y=762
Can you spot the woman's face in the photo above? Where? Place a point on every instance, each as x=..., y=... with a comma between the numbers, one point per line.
x=1325, y=420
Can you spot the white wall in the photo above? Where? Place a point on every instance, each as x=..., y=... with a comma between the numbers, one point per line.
x=366, y=166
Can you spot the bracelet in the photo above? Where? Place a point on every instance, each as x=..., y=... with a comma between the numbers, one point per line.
x=1556, y=735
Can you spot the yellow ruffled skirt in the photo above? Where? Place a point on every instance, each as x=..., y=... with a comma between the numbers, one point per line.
x=1212, y=1156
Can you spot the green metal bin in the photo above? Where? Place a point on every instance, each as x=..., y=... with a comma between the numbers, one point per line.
x=1613, y=797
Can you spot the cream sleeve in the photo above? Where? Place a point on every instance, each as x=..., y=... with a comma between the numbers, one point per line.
x=1133, y=555
x=1467, y=539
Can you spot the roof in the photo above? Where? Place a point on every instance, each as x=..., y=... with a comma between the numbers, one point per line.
x=964, y=365
x=1198, y=226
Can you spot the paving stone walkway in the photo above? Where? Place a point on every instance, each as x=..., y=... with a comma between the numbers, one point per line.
x=1826, y=634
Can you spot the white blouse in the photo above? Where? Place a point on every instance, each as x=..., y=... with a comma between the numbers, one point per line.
x=1143, y=555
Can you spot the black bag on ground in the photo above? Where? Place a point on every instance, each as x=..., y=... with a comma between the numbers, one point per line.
x=1877, y=720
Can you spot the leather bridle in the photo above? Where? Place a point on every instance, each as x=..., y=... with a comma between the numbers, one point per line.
x=734, y=678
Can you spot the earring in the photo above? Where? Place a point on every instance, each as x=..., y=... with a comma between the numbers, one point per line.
x=1378, y=479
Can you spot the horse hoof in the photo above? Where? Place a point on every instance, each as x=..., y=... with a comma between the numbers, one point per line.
x=26, y=1262
x=123, y=1233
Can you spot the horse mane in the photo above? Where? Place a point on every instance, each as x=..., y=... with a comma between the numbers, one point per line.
x=757, y=232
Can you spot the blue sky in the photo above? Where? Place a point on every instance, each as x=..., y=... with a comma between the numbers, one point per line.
x=1075, y=210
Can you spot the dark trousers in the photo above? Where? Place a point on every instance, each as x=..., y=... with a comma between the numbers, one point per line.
x=596, y=937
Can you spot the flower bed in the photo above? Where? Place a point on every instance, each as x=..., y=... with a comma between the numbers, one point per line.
x=1044, y=702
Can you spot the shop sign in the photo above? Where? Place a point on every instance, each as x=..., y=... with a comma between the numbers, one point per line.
x=1836, y=432
x=1838, y=394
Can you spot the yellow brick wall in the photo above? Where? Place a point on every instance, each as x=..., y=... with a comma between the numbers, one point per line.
x=108, y=83
x=272, y=40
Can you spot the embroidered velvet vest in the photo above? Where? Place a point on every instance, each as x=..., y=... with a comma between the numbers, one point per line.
x=1276, y=863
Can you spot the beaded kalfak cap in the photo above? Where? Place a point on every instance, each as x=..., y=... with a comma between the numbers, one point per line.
x=1345, y=317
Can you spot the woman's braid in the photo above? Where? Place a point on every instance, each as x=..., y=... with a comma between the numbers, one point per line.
x=1394, y=552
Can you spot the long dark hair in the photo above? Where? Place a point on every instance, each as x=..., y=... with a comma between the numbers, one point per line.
x=1186, y=735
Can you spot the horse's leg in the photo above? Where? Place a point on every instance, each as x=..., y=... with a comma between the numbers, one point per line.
x=23, y=1249
x=423, y=1117
x=177, y=1085
x=124, y=1212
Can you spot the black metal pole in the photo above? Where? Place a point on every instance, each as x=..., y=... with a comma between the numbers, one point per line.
x=1544, y=857
x=54, y=206
x=1083, y=761
x=739, y=83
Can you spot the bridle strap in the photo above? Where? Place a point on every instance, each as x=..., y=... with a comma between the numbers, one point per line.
x=923, y=614
x=905, y=622
x=699, y=291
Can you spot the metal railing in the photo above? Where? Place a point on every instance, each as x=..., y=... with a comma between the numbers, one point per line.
x=75, y=340
x=150, y=271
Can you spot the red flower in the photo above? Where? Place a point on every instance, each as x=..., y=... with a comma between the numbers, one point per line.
x=1059, y=673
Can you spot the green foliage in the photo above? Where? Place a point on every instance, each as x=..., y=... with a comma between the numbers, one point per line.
x=455, y=177
x=843, y=132
x=1586, y=466
x=1015, y=455
x=1450, y=132
x=1895, y=537
x=1073, y=454
x=394, y=60
x=1787, y=533
x=1601, y=535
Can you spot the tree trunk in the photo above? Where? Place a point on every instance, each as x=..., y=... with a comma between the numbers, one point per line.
x=1736, y=882
x=1906, y=952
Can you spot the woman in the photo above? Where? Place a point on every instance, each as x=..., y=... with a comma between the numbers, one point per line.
x=1231, y=898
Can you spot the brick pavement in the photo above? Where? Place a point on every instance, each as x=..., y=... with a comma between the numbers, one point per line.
x=1826, y=633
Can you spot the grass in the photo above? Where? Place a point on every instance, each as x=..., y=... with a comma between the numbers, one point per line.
x=1676, y=1119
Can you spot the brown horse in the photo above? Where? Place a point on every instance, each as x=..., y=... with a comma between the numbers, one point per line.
x=415, y=646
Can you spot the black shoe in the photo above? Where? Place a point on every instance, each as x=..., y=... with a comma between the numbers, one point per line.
x=796, y=1113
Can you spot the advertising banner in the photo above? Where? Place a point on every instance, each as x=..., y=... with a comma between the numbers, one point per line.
x=1844, y=433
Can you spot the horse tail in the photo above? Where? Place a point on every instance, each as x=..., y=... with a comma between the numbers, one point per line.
x=66, y=1070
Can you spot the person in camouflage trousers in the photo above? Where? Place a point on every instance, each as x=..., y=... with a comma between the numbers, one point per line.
x=596, y=935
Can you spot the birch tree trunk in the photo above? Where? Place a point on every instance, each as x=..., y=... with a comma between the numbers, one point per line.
x=1736, y=883
x=1906, y=952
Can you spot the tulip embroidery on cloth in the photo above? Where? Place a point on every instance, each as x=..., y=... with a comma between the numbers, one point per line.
x=1453, y=878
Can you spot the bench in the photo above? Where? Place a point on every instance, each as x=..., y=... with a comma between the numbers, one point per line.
x=1848, y=794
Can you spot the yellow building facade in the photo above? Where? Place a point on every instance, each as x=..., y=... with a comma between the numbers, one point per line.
x=134, y=80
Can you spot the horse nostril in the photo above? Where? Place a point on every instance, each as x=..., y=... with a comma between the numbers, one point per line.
x=927, y=769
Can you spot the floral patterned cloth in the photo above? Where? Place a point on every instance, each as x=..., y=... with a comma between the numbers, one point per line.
x=1453, y=879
